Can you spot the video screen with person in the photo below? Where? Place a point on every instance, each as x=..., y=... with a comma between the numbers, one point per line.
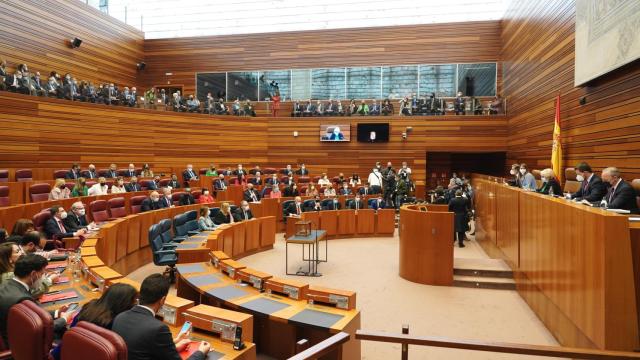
x=335, y=132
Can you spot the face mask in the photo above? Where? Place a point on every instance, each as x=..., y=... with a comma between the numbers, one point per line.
x=544, y=180
x=103, y=184
x=155, y=199
x=580, y=178
x=206, y=193
x=512, y=172
x=63, y=215
x=81, y=212
x=120, y=183
x=523, y=171
x=246, y=208
x=37, y=283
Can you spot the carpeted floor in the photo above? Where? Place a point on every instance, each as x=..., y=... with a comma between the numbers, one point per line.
x=369, y=266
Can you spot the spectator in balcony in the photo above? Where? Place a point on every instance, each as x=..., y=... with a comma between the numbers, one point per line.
x=133, y=100
x=37, y=85
x=236, y=108
x=374, y=109
x=352, y=108
x=52, y=87
x=459, y=104
x=177, y=102
x=59, y=191
x=319, y=109
x=221, y=108
x=150, y=97
x=3, y=74
x=405, y=107
x=110, y=95
x=296, y=111
x=276, y=103
x=14, y=83
x=163, y=98
x=193, y=104
x=309, y=109
x=248, y=109
x=118, y=187
x=363, y=109
x=80, y=188
x=330, y=109
x=89, y=92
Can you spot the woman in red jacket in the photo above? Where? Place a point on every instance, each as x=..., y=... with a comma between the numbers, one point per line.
x=276, y=104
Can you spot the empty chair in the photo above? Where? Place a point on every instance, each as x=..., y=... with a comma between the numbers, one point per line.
x=103, y=173
x=316, y=179
x=186, y=224
x=136, y=203
x=163, y=254
x=213, y=212
x=308, y=204
x=266, y=191
x=89, y=341
x=99, y=211
x=166, y=233
x=196, y=194
x=30, y=331
x=24, y=175
x=4, y=196
x=117, y=207
x=284, y=179
x=269, y=171
x=347, y=204
x=175, y=197
x=571, y=183
x=304, y=179
x=4, y=175
x=39, y=192
x=146, y=184
x=60, y=174
x=164, y=182
x=326, y=204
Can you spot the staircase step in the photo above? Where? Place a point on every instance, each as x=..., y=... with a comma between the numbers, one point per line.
x=484, y=282
x=481, y=267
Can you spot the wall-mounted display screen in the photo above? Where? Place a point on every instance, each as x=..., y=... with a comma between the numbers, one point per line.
x=335, y=132
x=374, y=132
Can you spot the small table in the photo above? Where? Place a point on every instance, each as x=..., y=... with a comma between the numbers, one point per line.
x=312, y=241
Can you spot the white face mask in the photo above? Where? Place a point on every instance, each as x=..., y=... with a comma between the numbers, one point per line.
x=523, y=171
x=580, y=178
x=246, y=208
x=81, y=212
x=512, y=172
x=544, y=180
x=63, y=215
x=37, y=284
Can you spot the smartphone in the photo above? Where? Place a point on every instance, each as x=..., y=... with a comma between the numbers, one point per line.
x=185, y=327
x=61, y=270
x=237, y=342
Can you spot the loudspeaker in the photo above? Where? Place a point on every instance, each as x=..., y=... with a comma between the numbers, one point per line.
x=75, y=43
x=583, y=100
x=141, y=65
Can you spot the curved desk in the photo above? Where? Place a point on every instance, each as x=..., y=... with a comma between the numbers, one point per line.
x=426, y=250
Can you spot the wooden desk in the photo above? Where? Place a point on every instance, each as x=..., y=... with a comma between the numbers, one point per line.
x=426, y=250
x=386, y=221
x=346, y=222
x=572, y=263
x=365, y=221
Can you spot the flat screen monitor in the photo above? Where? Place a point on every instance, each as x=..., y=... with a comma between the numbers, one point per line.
x=335, y=133
x=374, y=132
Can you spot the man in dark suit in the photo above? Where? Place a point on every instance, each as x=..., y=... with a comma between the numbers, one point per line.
x=173, y=183
x=459, y=206
x=189, y=174
x=14, y=83
x=250, y=194
x=344, y=190
x=152, y=202
x=166, y=198
x=239, y=171
x=257, y=179
x=37, y=84
x=28, y=271
x=295, y=208
x=273, y=180
x=76, y=220
x=592, y=189
x=154, y=184
x=52, y=87
x=286, y=170
x=255, y=170
x=459, y=104
x=133, y=185
x=621, y=195
x=131, y=171
x=186, y=198
x=302, y=171
x=54, y=228
x=378, y=204
x=74, y=173
x=243, y=212
x=148, y=338
x=90, y=173
x=365, y=190
x=113, y=171
x=297, y=109
x=357, y=203
x=220, y=183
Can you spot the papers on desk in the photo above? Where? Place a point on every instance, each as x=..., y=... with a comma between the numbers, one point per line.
x=619, y=211
x=56, y=265
x=189, y=349
x=61, y=280
x=57, y=296
x=634, y=218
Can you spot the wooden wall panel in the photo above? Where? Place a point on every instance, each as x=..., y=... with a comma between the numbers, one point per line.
x=36, y=32
x=52, y=134
x=538, y=63
x=420, y=44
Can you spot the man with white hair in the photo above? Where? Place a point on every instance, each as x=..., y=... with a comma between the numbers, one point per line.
x=621, y=194
x=77, y=219
x=166, y=198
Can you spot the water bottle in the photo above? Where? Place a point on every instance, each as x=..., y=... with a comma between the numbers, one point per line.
x=76, y=266
x=551, y=191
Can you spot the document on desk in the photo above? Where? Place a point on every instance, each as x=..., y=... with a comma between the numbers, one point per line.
x=619, y=211
x=634, y=218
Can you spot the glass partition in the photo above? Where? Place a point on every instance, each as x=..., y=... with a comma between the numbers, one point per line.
x=438, y=79
x=477, y=79
x=399, y=81
x=301, y=84
x=214, y=83
x=242, y=85
x=269, y=79
x=363, y=83
x=328, y=83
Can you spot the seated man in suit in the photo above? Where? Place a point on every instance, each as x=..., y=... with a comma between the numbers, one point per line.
x=131, y=171
x=193, y=104
x=621, y=194
x=243, y=212
x=77, y=219
x=133, y=185
x=295, y=208
x=14, y=83
x=148, y=338
x=166, y=198
x=297, y=109
x=592, y=189
x=303, y=171
x=90, y=173
x=239, y=171
x=52, y=88
x=288, y=169
x=255, y=170
x=173, y=183
x=319, y=111
x=74, y=173
x=257, y=179
x=189, y=174
x=220, y=183
x=344, y=190
x=113, y=171
x=273, y=180
x=374, y=109
x=54, y=228
x=365, y=190
x=251, y=194
x=152, y=202
x=317, y=204
x=309, y=109
x=29, y=271
x=154, y=184
x=357, y=203
x=187, y=198
x=378, y=204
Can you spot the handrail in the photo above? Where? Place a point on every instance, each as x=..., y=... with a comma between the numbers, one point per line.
x=323, y=348
x=499, y=347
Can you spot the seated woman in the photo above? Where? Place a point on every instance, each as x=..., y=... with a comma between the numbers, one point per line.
x=206, y=197
x=291, y=190
x=80, y=189
x=224, y=216
x=9, y=254
x=329, y=191
x=118, y=187
x=324, y=180
x=355, y=180
x=59, y=191
x=527, y=180
x=146, y=171
x=275, y=192
x=387, y=107
x=211, y=171
x=117, y=299
x=312, y=191
x=550, y=184
x=204, y=221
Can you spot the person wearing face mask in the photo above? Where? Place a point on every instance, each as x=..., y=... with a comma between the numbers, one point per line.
x=243, y=212
x=131, y=171
x=113, y=171
x=275, y=192
x=77, y=219
x=186, y=198
x=9, y=254
x=133, y=185
x=357, y=203
x=80, y=188
x=251, y=194
x=302, y=171
x=515, y=172
x=90, y=173
x=74, y=173
x=151, y=203
x=166, y=198
x=550, y=184
x=324, y=180
x=405, y=169
x=28, y=273
x=204, y=221
x=344, y=190
x=621, y=194
x=146, y=171
x=59, y=190
x=273, y=180
x=355, y=180
x=173, y=183
x=99, y=188
x=296, y=208
x=312, y=190
x=592, y=189
x=206, y=197
x=527, y=180
x=375, y=181
x=220, y=183
x=189, y=174
x=118, y=187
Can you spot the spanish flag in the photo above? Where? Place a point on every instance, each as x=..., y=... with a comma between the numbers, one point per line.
x=556, y=150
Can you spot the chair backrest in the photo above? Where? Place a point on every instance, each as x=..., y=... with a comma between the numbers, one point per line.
x=269, y=171
x=196, y=194
x=179, y=224
x=4, y=175
x=325, y=202
x=164, y=182
x=30, y=331
x=316, y=179
x=348, y=203
x=146, y=184
x=117, y=207
x=40, y=219
x=59, y=174
x=192, y=220
x=213, y=212
x=136, y=203
x=165, y=230
x=284, y=179
x=285, y=205
x=175, y=197
x=202, y=171
x=571, y=184
x=103, y=172
x=39, y=192
x=99, y=211
x=266, y=191
x=155, y=237
x=304, y=179
x=536, y=174
x=308, y=203
x=635, y=183
x=4, y=196
x=24, y=175
x=89, y=341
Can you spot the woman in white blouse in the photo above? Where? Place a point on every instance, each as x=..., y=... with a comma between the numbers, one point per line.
x=99, y=188
x=118, y=187
x=324, y=180
x=329, y=191
x=59, y=191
